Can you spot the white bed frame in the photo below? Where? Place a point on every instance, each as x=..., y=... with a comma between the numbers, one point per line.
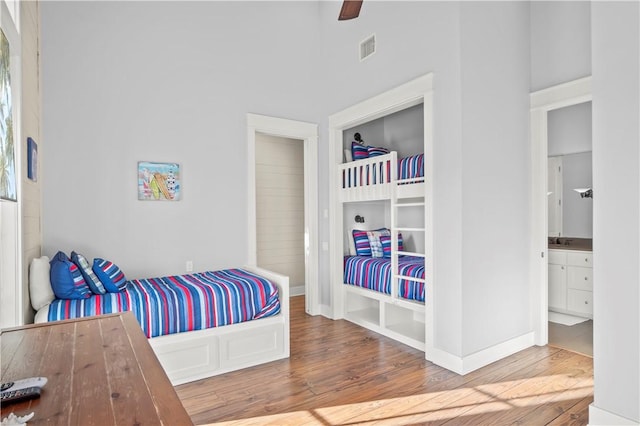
x=361, y=183
x=388, y=314
x=199, y=354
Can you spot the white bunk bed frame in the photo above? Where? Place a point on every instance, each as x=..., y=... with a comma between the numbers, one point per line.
x=407, y=321
x=199, y=354
x=388, y=314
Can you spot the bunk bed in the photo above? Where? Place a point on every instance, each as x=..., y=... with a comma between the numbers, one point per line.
x=385, y=292
x=201, y=324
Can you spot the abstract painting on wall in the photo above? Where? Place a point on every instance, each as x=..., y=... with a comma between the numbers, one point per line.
x=158, y=181
x=7, y=152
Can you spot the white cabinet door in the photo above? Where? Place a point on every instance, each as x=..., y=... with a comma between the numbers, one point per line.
x=580, y=301
x=557, y=286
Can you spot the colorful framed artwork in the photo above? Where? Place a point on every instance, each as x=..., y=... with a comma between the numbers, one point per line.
x=158, y=181
x=8, y=189
x=32, y=160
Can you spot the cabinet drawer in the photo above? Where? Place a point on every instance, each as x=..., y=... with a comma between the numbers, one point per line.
x=580, y=301
x=580, y=258
x=558, y=257
x=580, y=278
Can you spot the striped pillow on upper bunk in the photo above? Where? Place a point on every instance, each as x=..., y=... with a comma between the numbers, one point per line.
x=358, y=151
x=376, y=151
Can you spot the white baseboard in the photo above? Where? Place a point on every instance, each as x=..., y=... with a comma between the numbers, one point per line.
x=296, y=291
x=481, y=358
x=598, y=416
x=326, y=311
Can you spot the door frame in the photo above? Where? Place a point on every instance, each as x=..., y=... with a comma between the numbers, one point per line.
x=307, y=133
x=541, y=102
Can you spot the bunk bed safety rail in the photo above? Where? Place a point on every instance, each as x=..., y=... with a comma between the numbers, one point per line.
x=369, y=178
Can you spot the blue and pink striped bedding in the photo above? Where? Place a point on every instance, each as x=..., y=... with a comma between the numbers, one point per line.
x=374, y=273
x=182, y=303
x=408, y=168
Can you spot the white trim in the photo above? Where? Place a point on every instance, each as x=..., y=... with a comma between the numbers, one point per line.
x=541, y=102
x=298, y=290
x=308, y=133
x=598, y=416
x=481, y=358
x=402, y=97
x=10, y=25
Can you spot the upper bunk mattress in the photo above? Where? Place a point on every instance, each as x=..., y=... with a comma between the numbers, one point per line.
x=180, y=303
x=374, y=273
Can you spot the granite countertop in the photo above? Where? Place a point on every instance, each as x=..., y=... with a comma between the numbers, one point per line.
x=568, y=243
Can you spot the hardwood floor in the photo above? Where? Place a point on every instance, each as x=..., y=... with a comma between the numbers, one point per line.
x=342, y=374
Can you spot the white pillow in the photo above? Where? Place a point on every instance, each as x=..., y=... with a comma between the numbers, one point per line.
x=348, y=157
x=40, y=291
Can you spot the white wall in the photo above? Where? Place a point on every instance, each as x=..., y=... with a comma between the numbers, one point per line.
x=616, y=165
x=569, y=129
x=560, y=42
x=495, y=173
x=164, y=81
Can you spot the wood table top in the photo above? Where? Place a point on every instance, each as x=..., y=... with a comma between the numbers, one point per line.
x=100, y=370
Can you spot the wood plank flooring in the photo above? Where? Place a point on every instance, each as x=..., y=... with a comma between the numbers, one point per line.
x=342, y=374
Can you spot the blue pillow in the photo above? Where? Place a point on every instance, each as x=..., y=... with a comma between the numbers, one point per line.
x=109, y=275
x=87, y=273
x=361, y=241
x=376, y=151
x=359, y=152
x=66, y=280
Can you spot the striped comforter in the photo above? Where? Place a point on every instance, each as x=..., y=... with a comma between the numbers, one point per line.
x=411, y=167
x=374, y=273
x=182, y=303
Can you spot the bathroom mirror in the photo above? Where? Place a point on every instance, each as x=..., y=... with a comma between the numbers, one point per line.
x=570, y=168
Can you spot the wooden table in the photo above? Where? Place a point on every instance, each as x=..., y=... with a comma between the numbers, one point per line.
x=100, y=371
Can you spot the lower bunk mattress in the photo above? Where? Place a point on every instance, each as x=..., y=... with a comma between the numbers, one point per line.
x=374, y=273
x=180, y=303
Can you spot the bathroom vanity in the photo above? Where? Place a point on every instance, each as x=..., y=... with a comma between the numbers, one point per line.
x=571, y=276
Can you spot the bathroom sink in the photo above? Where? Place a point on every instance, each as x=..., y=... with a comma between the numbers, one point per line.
x=567, y=243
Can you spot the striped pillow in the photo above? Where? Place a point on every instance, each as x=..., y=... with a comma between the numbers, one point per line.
x=66, y=280
x=375, y=238
x=361, y=240
x=359, y=152
x=110, y=275
x=376, y=151
x=87, y=273
x=385, y=240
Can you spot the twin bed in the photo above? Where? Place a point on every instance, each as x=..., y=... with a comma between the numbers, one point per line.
x=201, y=324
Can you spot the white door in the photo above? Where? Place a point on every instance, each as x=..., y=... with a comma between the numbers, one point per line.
x=554, y=196
x=280, y=219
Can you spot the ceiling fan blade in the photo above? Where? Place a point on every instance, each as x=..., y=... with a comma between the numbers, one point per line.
x=350, y=9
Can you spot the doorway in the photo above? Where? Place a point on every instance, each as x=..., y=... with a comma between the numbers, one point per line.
x=280, y=208
x=570, y=203
x=542, y=102
x=279, y=133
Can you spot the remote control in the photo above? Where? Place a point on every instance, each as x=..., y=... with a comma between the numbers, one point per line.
x=24, y=384
x=19, y=395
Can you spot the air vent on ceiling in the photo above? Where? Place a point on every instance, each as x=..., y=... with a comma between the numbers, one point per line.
x=367, y=47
